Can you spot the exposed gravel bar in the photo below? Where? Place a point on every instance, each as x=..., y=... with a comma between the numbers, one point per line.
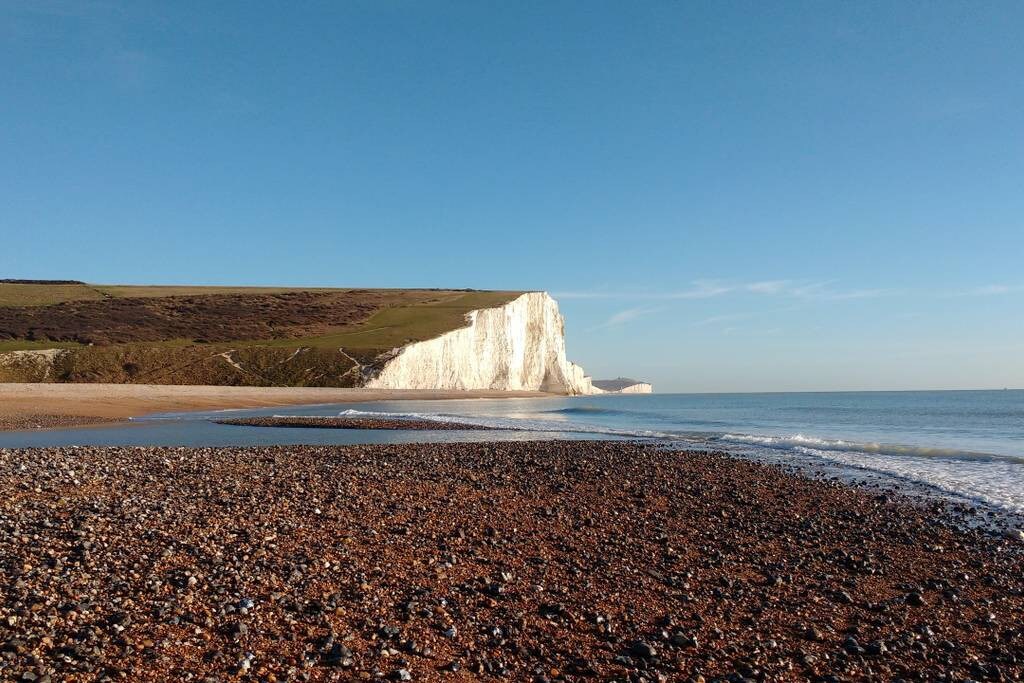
x=352, y=423
x=528, y=561
x=44, y=421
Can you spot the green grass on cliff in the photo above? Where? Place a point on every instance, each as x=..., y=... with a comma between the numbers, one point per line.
x=44, y=295
x=25, y=345
x=392, y=327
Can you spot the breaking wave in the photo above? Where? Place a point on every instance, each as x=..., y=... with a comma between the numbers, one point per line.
x=526, y=425
x=588, y=410
x=802, y=443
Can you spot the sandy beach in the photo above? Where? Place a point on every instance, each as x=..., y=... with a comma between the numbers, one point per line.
x=57, y=405
x=542, y=561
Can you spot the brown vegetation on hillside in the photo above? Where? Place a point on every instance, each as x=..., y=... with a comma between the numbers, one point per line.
x=217, y=317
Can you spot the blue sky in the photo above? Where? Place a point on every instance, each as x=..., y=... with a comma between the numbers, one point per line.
x=723, y=195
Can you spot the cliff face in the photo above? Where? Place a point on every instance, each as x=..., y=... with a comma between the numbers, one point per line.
x=623, y=385
x=516, y=347
x=639, y=388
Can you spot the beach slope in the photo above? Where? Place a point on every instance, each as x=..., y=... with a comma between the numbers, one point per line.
x=527, y=561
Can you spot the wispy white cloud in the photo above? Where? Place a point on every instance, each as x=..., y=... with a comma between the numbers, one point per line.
x=698, y=289
x=768, y=287
x=727, y=321
x=717, y=319
x=803, y=290
x=627, y=315
x=701, y=289
x=991, y=290
x=708, y=289
x=861, y=294
x=824, y=291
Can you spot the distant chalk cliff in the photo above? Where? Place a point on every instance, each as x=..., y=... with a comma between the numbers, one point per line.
x=623, y=385
x=519, y=346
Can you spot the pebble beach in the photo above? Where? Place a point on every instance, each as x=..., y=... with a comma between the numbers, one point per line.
x=17, y=422
x=517, y=561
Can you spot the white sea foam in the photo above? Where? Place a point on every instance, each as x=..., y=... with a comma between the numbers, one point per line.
x=798, y=441
x=996, y=482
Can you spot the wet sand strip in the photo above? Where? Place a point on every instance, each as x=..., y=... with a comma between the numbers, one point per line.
x=302, y=422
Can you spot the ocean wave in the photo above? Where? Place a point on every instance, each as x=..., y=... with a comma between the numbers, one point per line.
x=439, y=417
x=588, y=410
x=518, y=423
x=800, y=442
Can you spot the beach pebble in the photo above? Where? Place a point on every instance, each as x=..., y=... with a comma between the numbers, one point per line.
x=1014, y=535
x=915, y=599
x=643, y=649
x=814, y=634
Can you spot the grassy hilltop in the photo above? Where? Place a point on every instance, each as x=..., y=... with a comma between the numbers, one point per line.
x=260, y=336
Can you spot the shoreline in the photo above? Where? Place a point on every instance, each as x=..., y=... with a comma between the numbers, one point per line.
x=374, y=423
x=543, y=561
x=56, y=405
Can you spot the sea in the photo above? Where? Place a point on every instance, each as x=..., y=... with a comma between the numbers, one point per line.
x=964, y=445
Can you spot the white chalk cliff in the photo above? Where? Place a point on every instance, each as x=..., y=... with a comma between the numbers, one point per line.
x=638, y=388
x=623, y=385
x=516, y=347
